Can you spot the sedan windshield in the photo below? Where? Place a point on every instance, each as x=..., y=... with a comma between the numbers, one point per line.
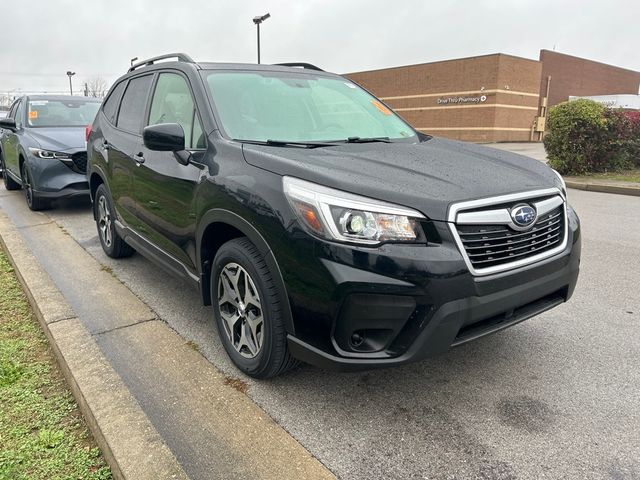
x=62, y=113
x=300, y=107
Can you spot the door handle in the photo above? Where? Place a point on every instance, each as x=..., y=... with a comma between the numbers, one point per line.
x=139, y=158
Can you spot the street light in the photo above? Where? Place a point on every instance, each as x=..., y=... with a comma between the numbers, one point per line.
x=70, y=74
x=258, y=21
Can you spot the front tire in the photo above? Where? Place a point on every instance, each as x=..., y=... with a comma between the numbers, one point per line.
x=247, y=310
x=112, y=244
x=34, y=202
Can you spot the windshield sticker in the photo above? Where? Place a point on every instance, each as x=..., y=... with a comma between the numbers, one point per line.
x=350, y=85
x=33, y=114
x=381, y=107
x=38, y=102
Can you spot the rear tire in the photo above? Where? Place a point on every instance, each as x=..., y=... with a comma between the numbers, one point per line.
x=34, y=202
x=112, y=244
x=9, y=183
x=248, y=312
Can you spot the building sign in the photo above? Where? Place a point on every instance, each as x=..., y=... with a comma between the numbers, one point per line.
x=461, y=100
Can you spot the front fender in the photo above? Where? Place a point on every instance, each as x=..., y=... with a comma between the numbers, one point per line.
x=222, y=216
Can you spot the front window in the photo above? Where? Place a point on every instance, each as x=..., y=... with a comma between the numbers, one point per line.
x=61, y=113
x=299, y=107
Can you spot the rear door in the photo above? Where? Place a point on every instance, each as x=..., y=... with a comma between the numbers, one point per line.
x=122, y=141
x=164, y=189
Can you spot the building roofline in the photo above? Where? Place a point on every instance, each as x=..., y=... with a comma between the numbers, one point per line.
x=444, y=61
x=587, y=60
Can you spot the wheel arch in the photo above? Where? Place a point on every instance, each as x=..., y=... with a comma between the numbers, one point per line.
x=217, y=227
x=96, y=178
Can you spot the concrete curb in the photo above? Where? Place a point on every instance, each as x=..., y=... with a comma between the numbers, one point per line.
x=604, y=188
x=144, y=391
x=130, y=444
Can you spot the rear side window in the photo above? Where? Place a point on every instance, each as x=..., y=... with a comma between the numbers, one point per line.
x=110, y=107
x=133, y=104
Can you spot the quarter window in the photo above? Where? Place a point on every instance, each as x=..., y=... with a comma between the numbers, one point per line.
x=110, y=107
x=172, y=103
x=133, y=104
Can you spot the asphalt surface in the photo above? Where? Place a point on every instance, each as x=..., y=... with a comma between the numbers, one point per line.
x=557, y=396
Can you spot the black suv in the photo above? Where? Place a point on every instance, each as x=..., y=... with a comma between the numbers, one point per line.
x=319, y=225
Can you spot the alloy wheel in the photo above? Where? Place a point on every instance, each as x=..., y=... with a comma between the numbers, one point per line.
x=241, y=310
x=104, y=221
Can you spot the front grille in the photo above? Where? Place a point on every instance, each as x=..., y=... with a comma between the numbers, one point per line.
x=79, y=162
x=496, y=245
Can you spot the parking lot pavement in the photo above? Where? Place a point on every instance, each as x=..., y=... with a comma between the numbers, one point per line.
x=529, y=149
x=557, y=396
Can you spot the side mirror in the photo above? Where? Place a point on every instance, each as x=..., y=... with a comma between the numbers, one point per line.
x=164, y=137
x=8, y=123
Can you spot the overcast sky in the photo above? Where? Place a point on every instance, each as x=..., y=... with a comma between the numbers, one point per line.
x=42, y=39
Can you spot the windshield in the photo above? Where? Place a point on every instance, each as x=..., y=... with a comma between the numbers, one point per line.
x=62, y=113
x=296, y=107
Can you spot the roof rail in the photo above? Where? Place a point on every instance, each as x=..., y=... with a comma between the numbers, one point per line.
x=181, y=57
x=301, y=64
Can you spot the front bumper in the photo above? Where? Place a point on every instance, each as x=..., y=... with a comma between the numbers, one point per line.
x=54, y=179
x=415, y=302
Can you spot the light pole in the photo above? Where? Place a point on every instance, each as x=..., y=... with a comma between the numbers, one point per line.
x=258, y=21
x=70, y=74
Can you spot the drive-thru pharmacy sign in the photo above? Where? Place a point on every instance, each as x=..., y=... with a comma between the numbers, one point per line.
x=461, y=100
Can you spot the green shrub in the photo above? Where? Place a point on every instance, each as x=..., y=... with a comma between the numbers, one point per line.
x=585, y=137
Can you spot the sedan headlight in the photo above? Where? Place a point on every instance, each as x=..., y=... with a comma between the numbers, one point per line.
x=345, y=217
x=48, y=154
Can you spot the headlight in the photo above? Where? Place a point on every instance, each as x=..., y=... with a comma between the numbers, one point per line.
x=346, y=217
x=564, y=185
x=48, y=154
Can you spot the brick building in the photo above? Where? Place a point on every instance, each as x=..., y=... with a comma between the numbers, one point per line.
x=491, y=98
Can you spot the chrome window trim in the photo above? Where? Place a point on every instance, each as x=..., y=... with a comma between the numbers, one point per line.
x=546, y=207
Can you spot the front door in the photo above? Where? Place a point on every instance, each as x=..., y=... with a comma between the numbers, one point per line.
x=11, y=140
x=164, y=189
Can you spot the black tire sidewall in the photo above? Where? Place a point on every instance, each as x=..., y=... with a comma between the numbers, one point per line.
x=235, y=252
x=28, y=192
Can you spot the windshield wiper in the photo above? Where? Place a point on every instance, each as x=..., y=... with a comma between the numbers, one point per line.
x=285, y=143
x=368, y=139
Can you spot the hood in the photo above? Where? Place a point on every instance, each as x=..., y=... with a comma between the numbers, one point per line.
x=427, y=176
x=59, y=139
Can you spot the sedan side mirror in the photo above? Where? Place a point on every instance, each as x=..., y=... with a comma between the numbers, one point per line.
x=164, y=137
x=8, y=123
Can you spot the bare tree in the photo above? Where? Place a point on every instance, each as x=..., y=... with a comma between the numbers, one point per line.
x=96, y=87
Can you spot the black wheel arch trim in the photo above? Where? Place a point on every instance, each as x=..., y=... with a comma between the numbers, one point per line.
x=219, y=215
x=95, y=170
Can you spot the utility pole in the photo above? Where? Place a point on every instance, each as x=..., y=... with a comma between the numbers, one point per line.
x=258, y=20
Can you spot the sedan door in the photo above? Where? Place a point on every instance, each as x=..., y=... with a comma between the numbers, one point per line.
x=11, y=140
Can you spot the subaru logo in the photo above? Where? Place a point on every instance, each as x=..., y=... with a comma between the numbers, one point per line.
x=523, y=215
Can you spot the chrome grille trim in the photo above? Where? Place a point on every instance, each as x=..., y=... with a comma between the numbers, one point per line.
x=545, y=205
